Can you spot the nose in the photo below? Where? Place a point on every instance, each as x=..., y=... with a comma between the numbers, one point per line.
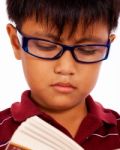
x=65, y=65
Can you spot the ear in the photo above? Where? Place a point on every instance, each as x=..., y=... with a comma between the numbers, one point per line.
x=112, y=37
x=11, y=30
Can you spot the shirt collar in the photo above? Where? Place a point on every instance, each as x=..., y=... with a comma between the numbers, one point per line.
x=24, y=109
x=28, y=108
x=97, y=111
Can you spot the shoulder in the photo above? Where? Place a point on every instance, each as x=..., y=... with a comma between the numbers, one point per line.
x=110, y=114
x=7, y=127
x=112, y=118
x=109, y=117
x=107, y=122
x=116, y=114
x=5, y=115
x=117, y=117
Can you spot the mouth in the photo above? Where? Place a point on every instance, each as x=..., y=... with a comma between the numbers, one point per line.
x=63, y=87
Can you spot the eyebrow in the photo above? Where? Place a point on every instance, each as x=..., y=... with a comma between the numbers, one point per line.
x=91, y=39
x=81, y=40
x=48, y=35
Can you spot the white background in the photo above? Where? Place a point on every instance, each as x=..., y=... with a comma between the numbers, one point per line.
x=12, y=82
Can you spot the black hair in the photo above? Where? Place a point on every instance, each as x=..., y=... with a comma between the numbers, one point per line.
x=61, y=12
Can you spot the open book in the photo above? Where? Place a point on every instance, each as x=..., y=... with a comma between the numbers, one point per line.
x=36, y=134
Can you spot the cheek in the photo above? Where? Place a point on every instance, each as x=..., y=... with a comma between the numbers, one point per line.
x=89, y=77
x=35, y=72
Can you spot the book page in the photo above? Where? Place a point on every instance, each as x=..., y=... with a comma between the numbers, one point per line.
x=37, y=134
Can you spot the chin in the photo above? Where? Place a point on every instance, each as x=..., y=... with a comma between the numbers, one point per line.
x=60, y=106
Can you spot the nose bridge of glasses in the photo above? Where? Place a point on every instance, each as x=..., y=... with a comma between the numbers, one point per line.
x=67, y=48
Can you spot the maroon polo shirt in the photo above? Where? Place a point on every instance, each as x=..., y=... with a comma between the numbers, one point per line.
x=100, y=129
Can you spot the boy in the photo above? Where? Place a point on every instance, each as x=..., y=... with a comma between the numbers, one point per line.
x=62, y=44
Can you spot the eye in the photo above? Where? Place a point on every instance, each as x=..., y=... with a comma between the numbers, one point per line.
x=45, y=47
x=42, y=45
x=87, y=50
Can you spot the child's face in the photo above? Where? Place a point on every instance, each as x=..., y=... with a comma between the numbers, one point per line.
x=60, y=84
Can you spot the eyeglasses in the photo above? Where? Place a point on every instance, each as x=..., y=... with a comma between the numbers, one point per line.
x=48, y=50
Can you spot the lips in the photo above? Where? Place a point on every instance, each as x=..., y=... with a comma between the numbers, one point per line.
x=63, y=87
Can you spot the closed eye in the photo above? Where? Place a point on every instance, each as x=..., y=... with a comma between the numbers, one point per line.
x=87, y=51
x=42, y=47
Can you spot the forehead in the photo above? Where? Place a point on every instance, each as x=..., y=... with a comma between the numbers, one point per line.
x=32, y=28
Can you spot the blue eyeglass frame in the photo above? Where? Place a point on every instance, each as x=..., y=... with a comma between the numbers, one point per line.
x=24, y=45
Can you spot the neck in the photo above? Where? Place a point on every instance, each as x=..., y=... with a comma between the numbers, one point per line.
x=70, y=119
